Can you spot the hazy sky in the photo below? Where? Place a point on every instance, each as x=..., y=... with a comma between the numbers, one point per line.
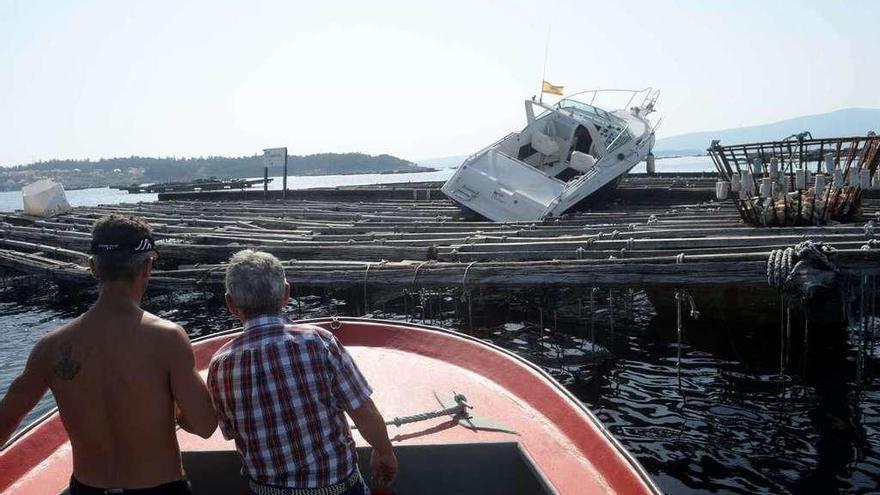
x=414, y=79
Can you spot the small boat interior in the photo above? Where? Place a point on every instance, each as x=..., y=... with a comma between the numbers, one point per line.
x=485, y=468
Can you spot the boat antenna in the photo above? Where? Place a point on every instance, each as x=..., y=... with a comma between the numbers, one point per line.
x=544, y=72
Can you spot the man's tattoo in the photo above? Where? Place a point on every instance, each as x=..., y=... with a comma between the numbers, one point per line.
x=67, y=367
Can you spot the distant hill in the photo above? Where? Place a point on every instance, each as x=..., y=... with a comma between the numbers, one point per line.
x=139, y=170
x=442, y=162
x=846, y=122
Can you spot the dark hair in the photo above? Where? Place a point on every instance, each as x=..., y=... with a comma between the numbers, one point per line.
x=115, y=245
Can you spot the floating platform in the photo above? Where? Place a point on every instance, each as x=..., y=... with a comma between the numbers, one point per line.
x=195, y=186
x=655, y=242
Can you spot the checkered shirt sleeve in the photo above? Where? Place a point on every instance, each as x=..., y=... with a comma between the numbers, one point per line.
x=348, y=384
x=223, y=420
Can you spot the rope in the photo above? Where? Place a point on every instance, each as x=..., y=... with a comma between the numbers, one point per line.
x=460, y=408
x=871, y=244
x=366, y=275
x=783, y=263
x=208, y=273
x=464, y=277
x=416, y=272
x=870, y=228
x=467, y=293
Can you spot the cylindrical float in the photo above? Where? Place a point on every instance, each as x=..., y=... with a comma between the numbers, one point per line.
x=757, y=166
x=734, y=183
x=767, y=187
x=800, y=179
x=820, y=185
x=838, y=179
x=829, y=163
x=722, y=187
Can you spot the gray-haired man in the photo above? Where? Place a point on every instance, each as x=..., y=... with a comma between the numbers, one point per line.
x=281, y=392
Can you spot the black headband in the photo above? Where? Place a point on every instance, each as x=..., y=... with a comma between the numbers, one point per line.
x=145, y=245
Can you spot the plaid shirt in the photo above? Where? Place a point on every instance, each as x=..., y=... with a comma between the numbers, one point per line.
x=280, y=391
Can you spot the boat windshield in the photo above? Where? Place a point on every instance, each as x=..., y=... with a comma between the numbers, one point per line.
x=612, y=129
x=588, y=111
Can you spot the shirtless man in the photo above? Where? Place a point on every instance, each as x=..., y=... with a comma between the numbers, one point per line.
x=120, y=375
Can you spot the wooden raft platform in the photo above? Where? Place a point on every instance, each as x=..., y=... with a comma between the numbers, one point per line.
x=410, y=243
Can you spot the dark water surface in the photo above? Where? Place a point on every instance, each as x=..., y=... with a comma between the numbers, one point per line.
x=712, y=415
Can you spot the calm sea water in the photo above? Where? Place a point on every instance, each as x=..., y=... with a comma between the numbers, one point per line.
x=714, y=413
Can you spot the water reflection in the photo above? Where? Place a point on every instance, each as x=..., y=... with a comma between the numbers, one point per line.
x=732, y=409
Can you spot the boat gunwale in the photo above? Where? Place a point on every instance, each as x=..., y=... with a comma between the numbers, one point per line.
x=573, y=401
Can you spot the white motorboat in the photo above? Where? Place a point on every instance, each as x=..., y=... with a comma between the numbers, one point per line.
x=566, y=153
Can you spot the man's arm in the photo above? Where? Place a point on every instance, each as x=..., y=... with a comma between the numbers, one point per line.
x=24, y=393
x=352, y=391
x=193, y=407
x=371, y=425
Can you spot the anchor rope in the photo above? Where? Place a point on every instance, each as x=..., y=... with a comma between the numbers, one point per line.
x=460, y=408
x=782, y=262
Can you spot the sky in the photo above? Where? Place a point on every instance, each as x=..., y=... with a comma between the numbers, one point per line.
x=92, y=79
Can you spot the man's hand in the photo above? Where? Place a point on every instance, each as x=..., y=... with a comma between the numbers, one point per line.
x=384, y=466
x=371, y=426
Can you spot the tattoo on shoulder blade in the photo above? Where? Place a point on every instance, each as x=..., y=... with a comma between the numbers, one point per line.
x=66, y=368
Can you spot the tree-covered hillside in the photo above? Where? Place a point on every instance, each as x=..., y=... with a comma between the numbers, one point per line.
x=135, y=169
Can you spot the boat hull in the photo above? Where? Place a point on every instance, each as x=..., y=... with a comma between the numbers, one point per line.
x=408, y=366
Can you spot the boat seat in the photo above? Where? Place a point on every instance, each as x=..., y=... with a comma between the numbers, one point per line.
x=581, y=162
x=544, y=144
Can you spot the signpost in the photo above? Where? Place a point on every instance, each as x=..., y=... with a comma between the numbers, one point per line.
x=275, y=157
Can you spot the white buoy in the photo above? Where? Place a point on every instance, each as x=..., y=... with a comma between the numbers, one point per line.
x=45, y=198
x=722, y=187
x=767, y=187
x=649, y=163
x=852, y=178
x=757, y=166
x=820, y=185
x=800, y=179
x=829, y=163
x=748, y=183
x=734, y=183
x=838, y=179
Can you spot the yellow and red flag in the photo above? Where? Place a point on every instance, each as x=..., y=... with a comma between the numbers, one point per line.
x=553, y=90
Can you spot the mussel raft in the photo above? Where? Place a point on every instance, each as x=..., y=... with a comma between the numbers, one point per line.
x=645, y=238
